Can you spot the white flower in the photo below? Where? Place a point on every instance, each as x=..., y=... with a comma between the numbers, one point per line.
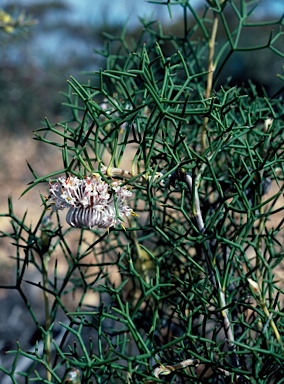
x=91, y=201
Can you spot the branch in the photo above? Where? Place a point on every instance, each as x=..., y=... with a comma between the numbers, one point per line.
x=214, y=277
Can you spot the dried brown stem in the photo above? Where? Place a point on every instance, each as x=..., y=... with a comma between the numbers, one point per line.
x=167, y=369
x=124, y=174
x=211, y=69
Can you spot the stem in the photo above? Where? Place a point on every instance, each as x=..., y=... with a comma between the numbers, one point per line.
x=124, y=174
x=195, y=197
x=211, y=64
x=214, y=277
x=167, y=369
x=261, y=228
x=257, y=290
x=271, y=321
x=47, y=315
x=211, y=69
x=261, y=301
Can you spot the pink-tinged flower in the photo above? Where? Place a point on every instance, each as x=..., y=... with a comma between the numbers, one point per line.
x=91, y=201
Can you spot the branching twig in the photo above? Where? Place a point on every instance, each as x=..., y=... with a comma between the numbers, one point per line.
x=213, y=276
x=45, y=257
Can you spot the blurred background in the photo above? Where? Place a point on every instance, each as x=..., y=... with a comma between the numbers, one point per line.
x=36, y=62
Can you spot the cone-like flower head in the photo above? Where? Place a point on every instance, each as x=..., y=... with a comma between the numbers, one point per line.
x=91, y=201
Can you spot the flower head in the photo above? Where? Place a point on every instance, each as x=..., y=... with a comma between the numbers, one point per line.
x=91, y=201
x=6, y=21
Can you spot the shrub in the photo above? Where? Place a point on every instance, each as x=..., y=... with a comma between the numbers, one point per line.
x=180, y=285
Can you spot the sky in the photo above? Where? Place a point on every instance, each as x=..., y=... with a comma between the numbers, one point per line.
x=111, y=12
x=120, y=11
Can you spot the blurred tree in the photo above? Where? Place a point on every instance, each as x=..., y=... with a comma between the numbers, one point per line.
x=36, y=63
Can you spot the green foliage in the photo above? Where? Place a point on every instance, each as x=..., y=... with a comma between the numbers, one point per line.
x=190, y=284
